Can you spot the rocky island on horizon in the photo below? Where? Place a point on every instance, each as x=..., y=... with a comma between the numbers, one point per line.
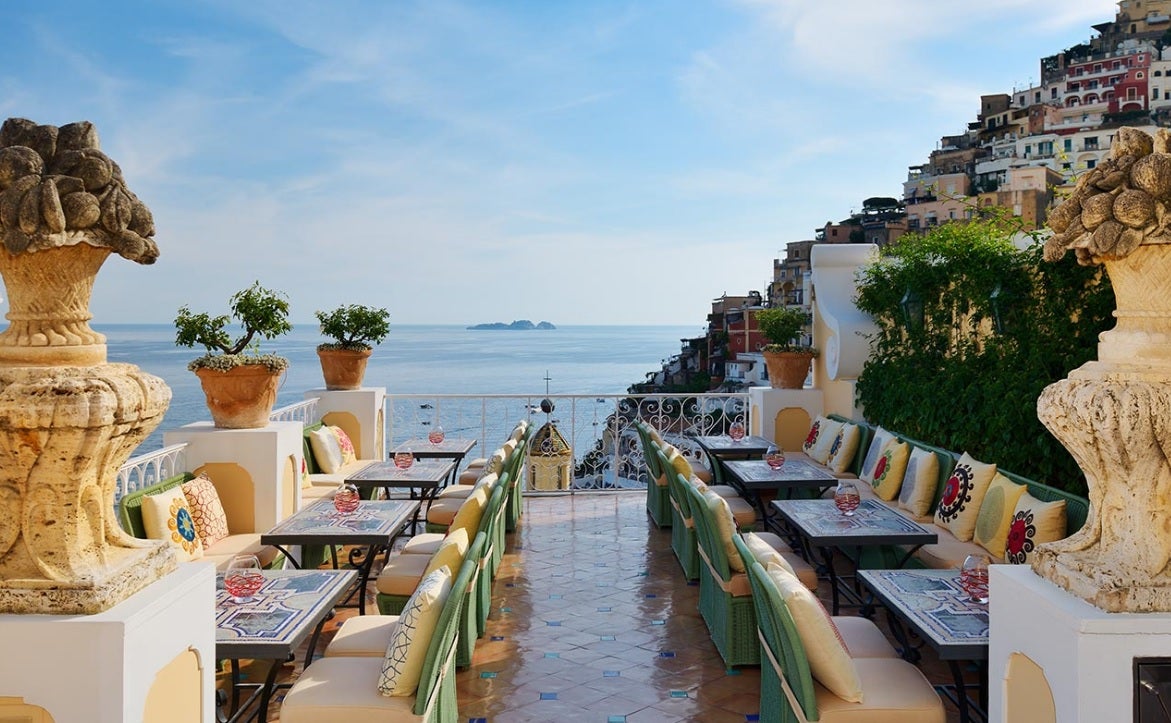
x=520, y=324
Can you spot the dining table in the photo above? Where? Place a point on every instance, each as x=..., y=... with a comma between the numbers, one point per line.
x=720, y=448
x=754, y=478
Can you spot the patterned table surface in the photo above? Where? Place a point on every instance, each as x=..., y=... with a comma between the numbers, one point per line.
x=873, y=523
x=423, y=474
x=795, y=472
x=932, y=603
x=373, y=523
x=450, y=447
x=722, y=444
x=280, y=616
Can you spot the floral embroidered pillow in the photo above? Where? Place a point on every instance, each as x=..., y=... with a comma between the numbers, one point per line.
x=963, y=494
x=1033, y=522
x=889, y=470
x=345, y=444
x=166, y=516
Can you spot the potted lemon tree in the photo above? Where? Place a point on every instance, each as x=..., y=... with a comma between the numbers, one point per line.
x=354, y=329
x=239, y=382
x=785, y=356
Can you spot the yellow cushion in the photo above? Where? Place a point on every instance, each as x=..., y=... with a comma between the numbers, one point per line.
x=403, y=665
x=877, y=442
x=725, y=528
x=962, y=495
x=843, y=448
x=829, y=659
x=827, y=433
x=766, y=553
x=919, y=480
x=996, y=513
x=450, y=553
x=888, y=472
x=467, y=518
x=1033, y=522
x=167, y=516
x=655, y=436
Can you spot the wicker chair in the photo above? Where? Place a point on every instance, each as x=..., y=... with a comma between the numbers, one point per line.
x=682, y=526
x=346, y=688
x=892, y=688
x=726, y=607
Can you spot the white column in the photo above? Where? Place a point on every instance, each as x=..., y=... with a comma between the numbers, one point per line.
x=356, y=409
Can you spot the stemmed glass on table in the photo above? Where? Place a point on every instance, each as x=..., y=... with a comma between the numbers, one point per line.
x=243, y=578
x=846, y=498
x=736, y=431
x=774, y=457
x=974, y=578
x=404, y=458
x=346, y=499
x=436, y=435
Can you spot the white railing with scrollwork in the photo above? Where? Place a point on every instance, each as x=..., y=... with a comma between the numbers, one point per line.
x=147, y=469
x=304, y=412
x=599, y=428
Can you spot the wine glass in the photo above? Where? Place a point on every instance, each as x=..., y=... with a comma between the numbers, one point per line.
x=243, y=578
x=404, y=458
x=435, y=436
x=736, y=431
x=974, y=577
x=774, y=456
x=346, y=498
x=846, y=497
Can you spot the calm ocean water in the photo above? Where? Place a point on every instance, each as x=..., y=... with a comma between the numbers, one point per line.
x=423, y=360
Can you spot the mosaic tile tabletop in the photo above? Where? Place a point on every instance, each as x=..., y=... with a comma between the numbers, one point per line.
x=721, y=444
x=872, y=523
x=374, y=522
x=449, y=447
x=280, y=616
x=935, y=606
x=423, y=473
x=756, y=472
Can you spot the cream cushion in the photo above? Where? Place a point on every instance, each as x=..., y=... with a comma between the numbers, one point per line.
x=893, y=690
x=843, y=448
x=402, y=574
x=948, y=552
x=442, y=511
x=829, y=659
x=919, y=480
x=403, y=665
x=963, y=494
x=467, y=517
x=767, y=548
x=862, y=637
x=167, y=516
x=827, y=433
x=996, y=514
x=244, y=543
x=362, y=635
x=326, y=450
x=424, y=543
x=876, y=444
x=343, y=690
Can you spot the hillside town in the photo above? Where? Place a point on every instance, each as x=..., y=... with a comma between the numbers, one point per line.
x=1022, y=153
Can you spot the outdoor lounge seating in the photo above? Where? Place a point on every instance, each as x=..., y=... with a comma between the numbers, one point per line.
x=347, y=688
x=725, y=597
x=241, y=538
x=884, y=687
x=322, y=477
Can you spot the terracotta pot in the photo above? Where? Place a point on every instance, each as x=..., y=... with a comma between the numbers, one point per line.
x=787, y=369
x=242, y=397
x=343, y=368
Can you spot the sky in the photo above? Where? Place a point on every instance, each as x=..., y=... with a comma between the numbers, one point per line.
x=601, y=162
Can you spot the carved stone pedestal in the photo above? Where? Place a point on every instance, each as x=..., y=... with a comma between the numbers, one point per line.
x=64, y=432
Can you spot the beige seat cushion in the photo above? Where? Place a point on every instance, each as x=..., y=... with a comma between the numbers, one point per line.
x=243, y=544
x=333, y=479
x=344, y=690
x=363, y=636
x=443, y=511
x=948, y=552
x=862, y=637
x=728, y=492
x=461, y=490
x=425, y=543
x=402, y=574
x=313, y=492
x=742, y=511
x=892, y=690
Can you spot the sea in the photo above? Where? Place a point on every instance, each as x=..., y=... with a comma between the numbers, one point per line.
x=423, y=359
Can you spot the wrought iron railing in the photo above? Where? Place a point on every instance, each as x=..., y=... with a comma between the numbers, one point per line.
x=598, y=428
x=147, y=469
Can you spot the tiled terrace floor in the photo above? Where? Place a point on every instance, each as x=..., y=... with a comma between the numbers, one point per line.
x=591, y=621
